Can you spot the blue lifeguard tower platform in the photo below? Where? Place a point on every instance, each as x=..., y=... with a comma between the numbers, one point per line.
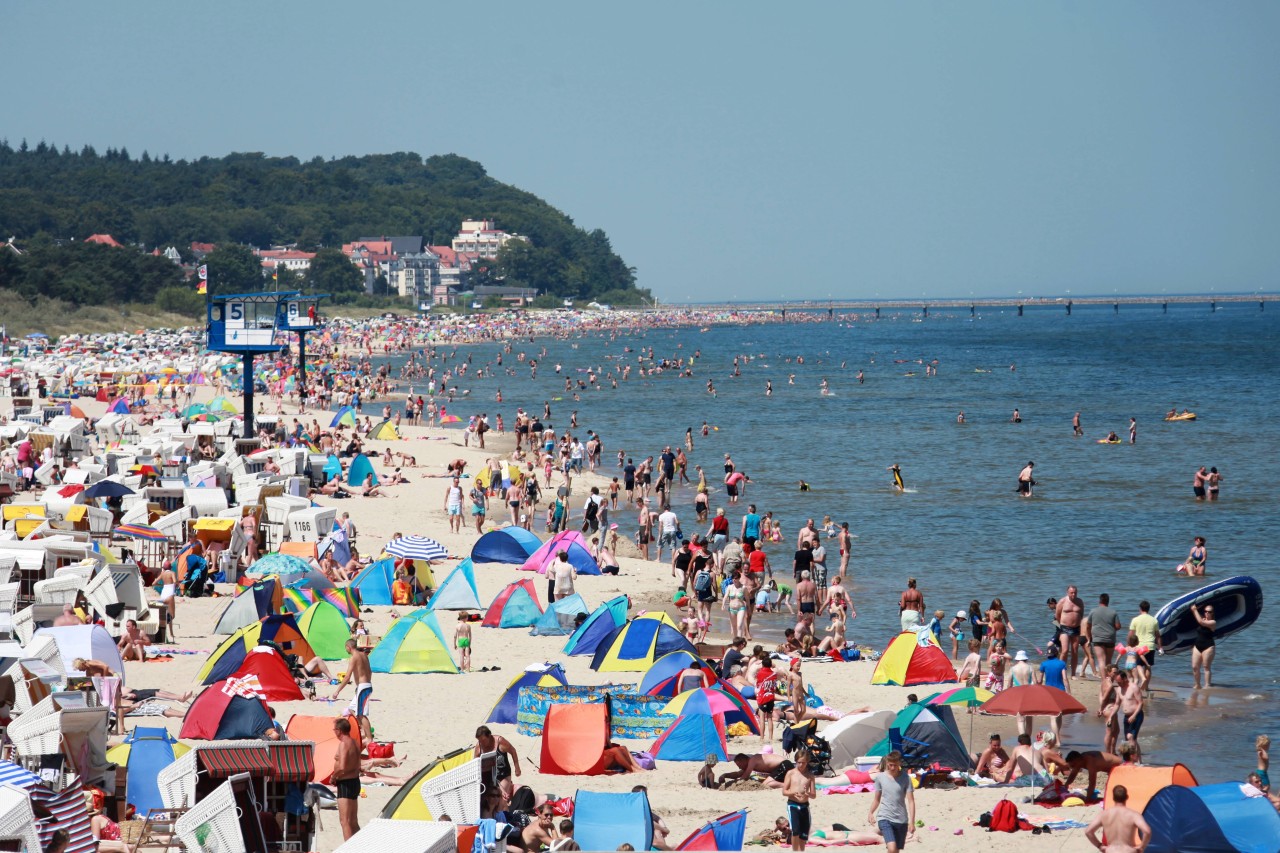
x=247, y=324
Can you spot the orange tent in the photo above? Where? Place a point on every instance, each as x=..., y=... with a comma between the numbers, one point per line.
x=574, y=738
x=302, y=550
x=320, y=731
x=1142, y=782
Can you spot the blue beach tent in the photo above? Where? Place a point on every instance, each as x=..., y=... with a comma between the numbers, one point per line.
x=692, y=738
x=607, y=821
x=726, y=832
x=145, y=752
x=1211, y=819
x=332, y=468
x=664, y=670
x=559, y=617
x=602, y=622
x=359, y=469
x=458, y=590
x=511, y=545
x=374, y=582
x=346, y=416
x=534, y=675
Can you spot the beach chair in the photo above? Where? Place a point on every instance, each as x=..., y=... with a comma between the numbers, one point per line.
x=8, y=600
x=7, y=564
x=18, y=819
x=177, y=782
x=455, y=792
x=403, y=836
x=213, y=824
x=41, y=730
x=59, y=590
x=205, y=502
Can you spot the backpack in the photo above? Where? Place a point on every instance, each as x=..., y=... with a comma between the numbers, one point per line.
x=1004, y=817
x=702, y=581
x=592, y=509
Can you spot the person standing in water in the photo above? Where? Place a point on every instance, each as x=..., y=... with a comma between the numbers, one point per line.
x=1076, y=428
x=1133, y=430
x=1025, y=481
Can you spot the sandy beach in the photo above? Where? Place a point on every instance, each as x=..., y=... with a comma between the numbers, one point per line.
x=429, y=715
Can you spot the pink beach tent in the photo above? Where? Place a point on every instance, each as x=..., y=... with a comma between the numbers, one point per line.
x=570, y=541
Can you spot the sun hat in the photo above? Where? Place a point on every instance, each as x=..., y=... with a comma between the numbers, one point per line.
x=1021, y=655
x=960, y=614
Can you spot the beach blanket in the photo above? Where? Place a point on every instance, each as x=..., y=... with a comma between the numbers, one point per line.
x=1057, y=825
x=863, y=788
x=149, y=708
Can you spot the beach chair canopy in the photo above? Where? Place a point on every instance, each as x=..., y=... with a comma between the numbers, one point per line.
x=403, y=836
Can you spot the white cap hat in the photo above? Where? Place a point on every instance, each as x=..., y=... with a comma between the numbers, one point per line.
x=960, y=614
x=1021, y=655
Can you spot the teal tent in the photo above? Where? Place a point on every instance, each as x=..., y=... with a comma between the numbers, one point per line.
x=559, y=617
x=458, y=590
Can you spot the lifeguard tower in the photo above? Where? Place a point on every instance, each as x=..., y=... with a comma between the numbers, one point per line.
x=247, y=324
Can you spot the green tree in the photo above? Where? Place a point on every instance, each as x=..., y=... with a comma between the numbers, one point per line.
x=332, y=272
x=234, y=269
x=181, y=300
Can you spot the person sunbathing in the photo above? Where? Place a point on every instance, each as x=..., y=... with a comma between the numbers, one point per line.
x=133, y=642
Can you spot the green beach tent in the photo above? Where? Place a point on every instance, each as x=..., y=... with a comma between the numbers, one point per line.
x=326, y=629
x=414, y=643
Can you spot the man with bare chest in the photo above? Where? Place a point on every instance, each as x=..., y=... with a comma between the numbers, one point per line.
x=1069, y=613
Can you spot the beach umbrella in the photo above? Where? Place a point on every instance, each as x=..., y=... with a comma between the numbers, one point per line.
x=1032, y=700
x=416, y=548
x=450, y=419
x=970, y=697
x=144, y=470
x=141, y=531
x=279, y=564
x=107, y=489
x=704, y=700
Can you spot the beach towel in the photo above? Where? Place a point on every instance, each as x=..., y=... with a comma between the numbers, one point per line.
x=863, y=788
x=148, y=708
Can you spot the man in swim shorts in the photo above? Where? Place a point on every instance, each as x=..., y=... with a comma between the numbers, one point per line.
x=1068, y=613
x=453, y=505
x=359, y=674
x=807, y=594
x=346, y=778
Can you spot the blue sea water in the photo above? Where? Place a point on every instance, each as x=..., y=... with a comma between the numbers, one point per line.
x=1114, y=519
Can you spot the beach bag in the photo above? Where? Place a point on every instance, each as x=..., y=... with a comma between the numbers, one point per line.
x=1004, y=817
x=381, y=750
x=702, y=581
x=645, y=760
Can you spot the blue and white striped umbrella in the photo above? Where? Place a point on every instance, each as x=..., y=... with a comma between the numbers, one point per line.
x=416, y=548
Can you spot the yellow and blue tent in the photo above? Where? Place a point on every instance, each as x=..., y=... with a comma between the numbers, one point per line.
x=635, y=646
x=414, y=643
x=534, y=675
x=346, y=416
x=407, y=803
x=384, y=431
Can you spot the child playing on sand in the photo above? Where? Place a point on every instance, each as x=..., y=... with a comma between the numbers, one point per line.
x=1263, y=746
x=707, y=775
x=462, y=640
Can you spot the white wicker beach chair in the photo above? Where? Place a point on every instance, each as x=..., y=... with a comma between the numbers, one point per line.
x=8, y=599
x=40, y=730
x=205, y=502
x=455, y=792
x=174, y=525
x=59, y=590
x=83, y=571
x=402, y=836
x=17, y=818
x=213, y=824
x=7, y=564
x=23, y=625
x=177, y=782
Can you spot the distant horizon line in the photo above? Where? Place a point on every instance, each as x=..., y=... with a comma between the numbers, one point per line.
x=1014, y=297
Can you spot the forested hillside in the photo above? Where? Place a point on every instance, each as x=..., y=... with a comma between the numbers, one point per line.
x=49, y=196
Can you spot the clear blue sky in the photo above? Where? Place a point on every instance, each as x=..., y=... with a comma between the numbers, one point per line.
x=744, y=149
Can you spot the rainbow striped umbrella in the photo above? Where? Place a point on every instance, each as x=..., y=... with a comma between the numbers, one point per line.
x=450, y=419
x=141, y=531
x=342, y=598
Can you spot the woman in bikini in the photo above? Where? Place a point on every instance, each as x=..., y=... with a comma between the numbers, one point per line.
x=735, y=602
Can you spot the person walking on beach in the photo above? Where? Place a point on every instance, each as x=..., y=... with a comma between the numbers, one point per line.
x=1125, y=829
x=346, y=778
x=1025, y=480
x=799, y=787
x=893, y=807
x=359, y=674
x=1068, y=613
x=453, y=505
